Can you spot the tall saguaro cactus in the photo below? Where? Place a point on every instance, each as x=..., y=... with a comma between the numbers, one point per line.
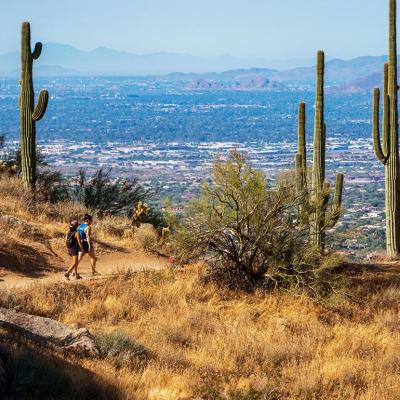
x=388, y=151
x=325, y=212
x=29, y=114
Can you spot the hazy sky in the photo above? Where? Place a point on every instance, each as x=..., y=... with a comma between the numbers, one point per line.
x=273, y=29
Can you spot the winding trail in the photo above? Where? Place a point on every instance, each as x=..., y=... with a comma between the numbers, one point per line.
x=110, y=262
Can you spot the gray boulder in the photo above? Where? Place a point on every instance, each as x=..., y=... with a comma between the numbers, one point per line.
x=50, y=333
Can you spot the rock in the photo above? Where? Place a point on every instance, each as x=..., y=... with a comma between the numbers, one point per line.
x=48, y=332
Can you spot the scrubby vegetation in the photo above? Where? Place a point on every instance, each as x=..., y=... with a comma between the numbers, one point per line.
x=167, y=335
x=98, y=193
x=251, y=232
x=258, y=309
x=33, y=227
x=177, y=334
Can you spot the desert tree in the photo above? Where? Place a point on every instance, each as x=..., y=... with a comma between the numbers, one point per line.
x=248, y=230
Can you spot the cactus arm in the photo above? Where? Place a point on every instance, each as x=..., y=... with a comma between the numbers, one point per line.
x=325, y=196
x=323, y=149
x=37, y=51
x=301, y=144
x=386, y=127
x=375, y=129
x=337, y=201
x=336, y=207
x=386, y=111
x=41, y=105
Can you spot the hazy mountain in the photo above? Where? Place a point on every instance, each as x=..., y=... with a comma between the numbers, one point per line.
x=365, y=84
x=337, y=71
x=358, y=74
x=104, y=61
x=64, y=60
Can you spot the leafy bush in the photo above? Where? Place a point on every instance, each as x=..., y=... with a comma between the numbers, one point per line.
x=249, y=231
x=104, y=195
x=51, y=186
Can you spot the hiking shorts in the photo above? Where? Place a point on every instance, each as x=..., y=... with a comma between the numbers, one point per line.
x=85, y=246
x=73, y=251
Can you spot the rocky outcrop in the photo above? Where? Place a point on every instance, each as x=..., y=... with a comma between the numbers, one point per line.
x=50, y=333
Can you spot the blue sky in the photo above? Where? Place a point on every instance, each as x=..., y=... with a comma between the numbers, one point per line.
x=273, y=29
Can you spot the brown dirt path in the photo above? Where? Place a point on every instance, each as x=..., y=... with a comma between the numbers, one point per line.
x=111, y=260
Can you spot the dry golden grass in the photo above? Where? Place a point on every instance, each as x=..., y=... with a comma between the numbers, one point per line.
x=16, y=200
x=188, y=340
x=211, y=344
x=36, y=221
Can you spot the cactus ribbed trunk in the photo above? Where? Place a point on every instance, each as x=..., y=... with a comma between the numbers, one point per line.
x=301, y=143
x=392, y=166
x=28, y=113
x=301, y=157
x=388, y=151
x=318, y=170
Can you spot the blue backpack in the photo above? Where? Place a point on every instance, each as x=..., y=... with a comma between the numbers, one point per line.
x=81, y=231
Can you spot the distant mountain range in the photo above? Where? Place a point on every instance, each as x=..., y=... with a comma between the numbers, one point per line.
x=359, y=74
x=105, y=61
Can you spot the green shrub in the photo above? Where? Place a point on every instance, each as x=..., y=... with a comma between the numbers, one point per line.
x=101, y=194
x=249, y=231
x=121, y=350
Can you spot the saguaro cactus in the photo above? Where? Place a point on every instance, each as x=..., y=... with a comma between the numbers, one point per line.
x=301, y=156
x=388, y=151
x=325, y=212
x=29, y=114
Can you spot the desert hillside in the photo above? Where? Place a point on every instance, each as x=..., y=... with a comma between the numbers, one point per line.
x=174, y=334
x=168, y=335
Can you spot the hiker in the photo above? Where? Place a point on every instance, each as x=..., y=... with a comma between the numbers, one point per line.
x=74, y=245
x=85, y=233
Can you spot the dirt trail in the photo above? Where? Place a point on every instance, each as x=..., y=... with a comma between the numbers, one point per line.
x=111, y=261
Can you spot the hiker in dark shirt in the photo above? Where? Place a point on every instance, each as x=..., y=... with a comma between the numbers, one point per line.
x=74, y=246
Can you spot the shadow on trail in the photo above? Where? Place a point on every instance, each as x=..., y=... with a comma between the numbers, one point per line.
x=24, y=259
x=32, y=374
x=108, y=248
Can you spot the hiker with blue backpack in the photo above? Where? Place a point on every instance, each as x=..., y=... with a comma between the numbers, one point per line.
x=74, y=246
x=85, y=233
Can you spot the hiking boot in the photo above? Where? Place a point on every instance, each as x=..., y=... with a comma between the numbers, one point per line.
x=77, y=276
x=67, y=275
